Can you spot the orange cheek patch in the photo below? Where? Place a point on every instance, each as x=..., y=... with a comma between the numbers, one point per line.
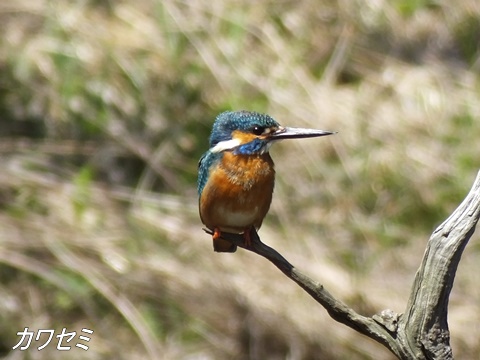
x=243, y=137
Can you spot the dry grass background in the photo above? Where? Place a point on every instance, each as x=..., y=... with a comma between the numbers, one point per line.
x=106, y=107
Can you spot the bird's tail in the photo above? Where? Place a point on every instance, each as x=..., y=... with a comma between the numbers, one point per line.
x=220, y=245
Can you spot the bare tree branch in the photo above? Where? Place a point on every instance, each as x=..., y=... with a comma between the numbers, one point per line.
x=425, y=324
x=422, y=332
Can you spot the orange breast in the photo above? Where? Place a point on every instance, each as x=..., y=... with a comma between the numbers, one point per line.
x=238, y=192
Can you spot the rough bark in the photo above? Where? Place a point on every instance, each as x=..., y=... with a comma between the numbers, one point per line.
x=421, y=332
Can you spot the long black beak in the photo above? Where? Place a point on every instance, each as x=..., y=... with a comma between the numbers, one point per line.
x=298, y=133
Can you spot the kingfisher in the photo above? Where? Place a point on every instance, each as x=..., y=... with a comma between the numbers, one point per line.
x=236, y=176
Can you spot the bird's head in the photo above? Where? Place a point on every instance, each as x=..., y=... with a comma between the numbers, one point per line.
x=248, y=133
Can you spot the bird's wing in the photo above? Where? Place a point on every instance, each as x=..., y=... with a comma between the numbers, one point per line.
x=204, y=164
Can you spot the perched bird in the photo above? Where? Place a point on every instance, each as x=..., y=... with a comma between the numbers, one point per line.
x=236, y=175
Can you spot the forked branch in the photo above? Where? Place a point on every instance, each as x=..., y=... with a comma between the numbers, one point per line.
x=422, y=331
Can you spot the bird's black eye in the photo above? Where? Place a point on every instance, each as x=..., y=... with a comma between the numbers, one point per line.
x=258, y=130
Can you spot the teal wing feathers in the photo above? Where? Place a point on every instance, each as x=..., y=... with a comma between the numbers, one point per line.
x=204, y=165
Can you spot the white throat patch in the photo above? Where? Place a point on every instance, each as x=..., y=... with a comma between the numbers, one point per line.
x=225, y=145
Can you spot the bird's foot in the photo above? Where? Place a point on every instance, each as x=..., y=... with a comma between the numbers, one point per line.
x=216, y=234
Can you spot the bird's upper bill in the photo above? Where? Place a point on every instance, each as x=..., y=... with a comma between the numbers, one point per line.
x=297, y=133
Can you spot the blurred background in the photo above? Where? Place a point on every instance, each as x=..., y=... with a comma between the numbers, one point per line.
x=105, y=108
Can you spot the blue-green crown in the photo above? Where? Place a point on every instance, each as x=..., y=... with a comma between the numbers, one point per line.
x=243, y=120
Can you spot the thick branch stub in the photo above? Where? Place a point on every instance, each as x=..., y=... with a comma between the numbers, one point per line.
x=425, y=326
